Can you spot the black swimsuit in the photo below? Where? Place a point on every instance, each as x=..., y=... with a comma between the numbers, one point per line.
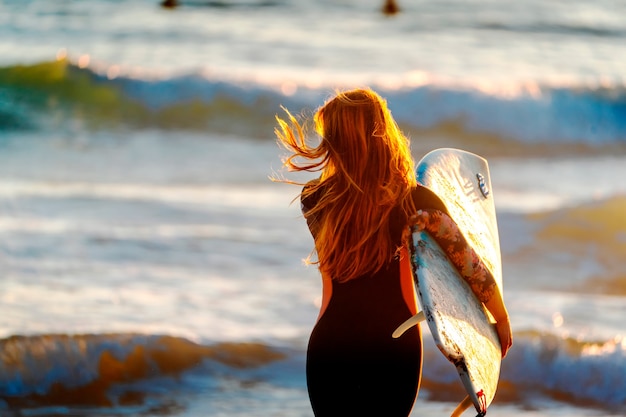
x=354, y=366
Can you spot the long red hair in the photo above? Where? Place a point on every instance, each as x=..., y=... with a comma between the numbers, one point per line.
x=366, y=170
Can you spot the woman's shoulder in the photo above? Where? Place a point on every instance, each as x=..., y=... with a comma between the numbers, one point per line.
x=310, y=194
x=425, y=198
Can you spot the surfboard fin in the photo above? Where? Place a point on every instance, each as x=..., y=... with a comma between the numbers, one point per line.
x=408, y=324
x=463, y=405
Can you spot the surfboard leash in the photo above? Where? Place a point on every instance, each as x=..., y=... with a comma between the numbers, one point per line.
x=482, y=400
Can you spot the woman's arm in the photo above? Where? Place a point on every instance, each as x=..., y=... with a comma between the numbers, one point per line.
x=447, y=234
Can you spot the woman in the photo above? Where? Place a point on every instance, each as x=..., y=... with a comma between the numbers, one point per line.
x=358, y=211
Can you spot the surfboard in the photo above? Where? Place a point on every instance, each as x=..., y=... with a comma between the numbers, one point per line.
x=461, y=327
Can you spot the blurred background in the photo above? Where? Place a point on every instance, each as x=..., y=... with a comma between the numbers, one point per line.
x=149, y=266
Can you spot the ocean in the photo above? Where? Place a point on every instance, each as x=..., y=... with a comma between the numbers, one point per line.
x=148, y=265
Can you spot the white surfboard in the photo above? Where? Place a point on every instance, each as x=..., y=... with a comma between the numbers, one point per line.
x=460, y=325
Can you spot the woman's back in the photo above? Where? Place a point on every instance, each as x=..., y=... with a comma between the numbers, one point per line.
x=354, y=366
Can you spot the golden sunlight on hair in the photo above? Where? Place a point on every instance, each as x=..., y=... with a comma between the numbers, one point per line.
x=366, y=170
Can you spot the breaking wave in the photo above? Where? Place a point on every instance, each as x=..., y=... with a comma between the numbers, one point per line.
x=102, y=97
x=106, y=370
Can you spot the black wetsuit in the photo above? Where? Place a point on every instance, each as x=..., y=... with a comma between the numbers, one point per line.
x=354, y=366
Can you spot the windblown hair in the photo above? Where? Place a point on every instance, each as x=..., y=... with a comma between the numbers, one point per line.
x=366, y=171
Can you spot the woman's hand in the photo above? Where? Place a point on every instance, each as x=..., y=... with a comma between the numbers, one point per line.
x=503, y=328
